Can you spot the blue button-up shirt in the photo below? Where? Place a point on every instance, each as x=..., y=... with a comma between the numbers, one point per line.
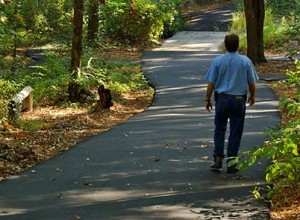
x=231, y=73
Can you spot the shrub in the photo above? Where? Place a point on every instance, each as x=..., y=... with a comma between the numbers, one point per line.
x=7, y=91
x=125, y=78
x=141, y=23
x=294, y=76
x=172, y=20
x=48, y=79
x=280, y=7
x=275, y=31
x=238, y=27
x=283, y=147
x=31, y=125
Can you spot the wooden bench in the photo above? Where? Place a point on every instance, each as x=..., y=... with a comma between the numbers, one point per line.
x=23, y=101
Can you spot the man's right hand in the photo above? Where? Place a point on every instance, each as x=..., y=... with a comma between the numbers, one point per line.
x=251, y=100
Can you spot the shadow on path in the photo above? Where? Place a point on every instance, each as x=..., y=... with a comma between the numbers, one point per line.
x=154, y=166
x=214, y=20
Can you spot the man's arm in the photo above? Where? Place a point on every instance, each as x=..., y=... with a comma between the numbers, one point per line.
x=251, y=99
x=209, y=91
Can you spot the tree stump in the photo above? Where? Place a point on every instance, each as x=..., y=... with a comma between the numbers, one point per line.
x=105, y=99
x=77, y=93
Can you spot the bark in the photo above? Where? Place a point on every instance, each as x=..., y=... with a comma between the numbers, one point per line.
x=255, y=15
x=74, y=89
x=93, y=19
x=77, y=35
x=105, y=99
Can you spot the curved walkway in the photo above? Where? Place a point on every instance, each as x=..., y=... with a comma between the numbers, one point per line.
x=156, y=165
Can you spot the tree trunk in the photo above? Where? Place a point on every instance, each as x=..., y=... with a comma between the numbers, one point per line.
x=255, y=15
x=93, y=20
x=105, y=99
x=77, y=35
x=15, y=30
x=74, y=89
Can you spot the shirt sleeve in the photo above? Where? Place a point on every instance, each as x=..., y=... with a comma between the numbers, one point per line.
x=211, y=75
x=251, y=73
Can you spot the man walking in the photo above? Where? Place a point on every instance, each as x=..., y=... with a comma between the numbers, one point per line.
x=229, y=76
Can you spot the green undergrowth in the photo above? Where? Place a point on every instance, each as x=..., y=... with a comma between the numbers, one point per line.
x=283, y=145
x=50, y=79
x=280, y=29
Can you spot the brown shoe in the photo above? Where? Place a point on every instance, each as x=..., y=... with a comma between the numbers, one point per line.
x=217, y=165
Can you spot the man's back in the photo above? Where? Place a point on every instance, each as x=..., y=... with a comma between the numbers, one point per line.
x=231, y=73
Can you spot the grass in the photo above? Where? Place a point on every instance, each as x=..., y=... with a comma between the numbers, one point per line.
x=31, y=125
x=275, y=30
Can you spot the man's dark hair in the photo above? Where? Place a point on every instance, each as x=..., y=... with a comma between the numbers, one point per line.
x=232, y=42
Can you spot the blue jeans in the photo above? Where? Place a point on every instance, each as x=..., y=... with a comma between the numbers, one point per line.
x=233, y=108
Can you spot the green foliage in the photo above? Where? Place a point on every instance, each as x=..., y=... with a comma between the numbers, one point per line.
x=28, y=22
x=294, y=76
x=238, y=26
x=125, y=78
x=281, y=26
x=92, y=74
x=8, y=85
x=283, y=147
x=7, y=90
x=4, y=155
x=171, y=17
x=280, y=7
x=275, y=31
x=294, y=27
x=141, y=22
x=240, y=5
x=49, y=80
x=57, y=18
x=37, y=22
x=31, y=125
x=282, y=150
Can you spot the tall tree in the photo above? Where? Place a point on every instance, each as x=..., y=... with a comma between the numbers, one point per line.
x=74, y=88
x=77, y=35
x=255, y=16
x=93, y=19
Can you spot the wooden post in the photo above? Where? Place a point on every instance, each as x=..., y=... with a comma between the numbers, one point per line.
x=23, y=101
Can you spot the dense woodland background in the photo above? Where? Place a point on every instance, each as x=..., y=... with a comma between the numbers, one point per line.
x=98, y=25
x=67, y=49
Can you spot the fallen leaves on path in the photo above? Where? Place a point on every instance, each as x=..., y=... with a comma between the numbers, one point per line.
x=61, y=128
x=276, y=66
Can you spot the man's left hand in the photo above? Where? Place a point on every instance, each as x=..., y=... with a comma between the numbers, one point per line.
x=208, y=105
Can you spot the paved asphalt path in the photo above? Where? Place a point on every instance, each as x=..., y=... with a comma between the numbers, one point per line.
x=214, y=20
x=155, y=165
